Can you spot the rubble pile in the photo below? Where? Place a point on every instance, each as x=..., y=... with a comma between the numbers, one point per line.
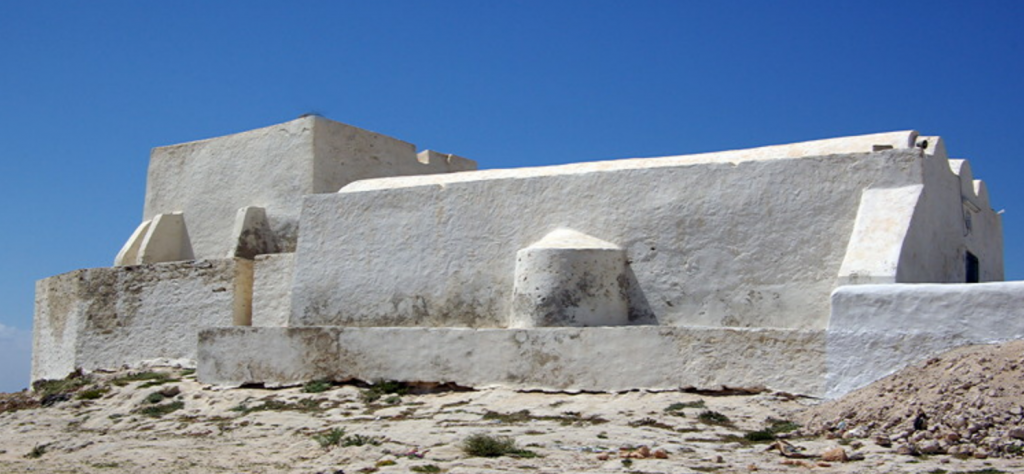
x=968, y=402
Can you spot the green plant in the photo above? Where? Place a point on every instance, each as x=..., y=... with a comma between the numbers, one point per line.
x=156, y=411
x=713, y=418
x=330, y=438
x=759, y=435
x=306, y=405
x=775, y=427
x=778, y=426
x=361, y=440
x=385, y=462
x=678, y=406
x=37, y=452
x=521, y=416
x=428, y=468
x=379, y=389
x=92, y=393
x=155, y=397
x=151, y=378
x=317, y=386
x=650, y=422
x=565, y=419
x=487, y=446
x=45, y=388
x=627, y=462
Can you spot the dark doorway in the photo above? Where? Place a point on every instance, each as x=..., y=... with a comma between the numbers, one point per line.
x=972, y=268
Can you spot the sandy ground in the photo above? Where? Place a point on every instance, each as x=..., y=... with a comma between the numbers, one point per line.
x=267, y=431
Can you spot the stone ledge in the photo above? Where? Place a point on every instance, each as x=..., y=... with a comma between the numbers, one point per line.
x=551, y=359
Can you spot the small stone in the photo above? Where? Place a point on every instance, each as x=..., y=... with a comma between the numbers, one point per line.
x=855, y=433
x=170, y=392
x=603, y=456
x=906, y=450
x=856, y=457
x=930, y=447
x=836, y=454
x=719, y=459
x=981, y=454
x=752, y=467
x=952, y=437
x=823, y=464
x=660, y=454
x=883, y=441
x=856, y=445
x=967, y=449
x=1016, y=433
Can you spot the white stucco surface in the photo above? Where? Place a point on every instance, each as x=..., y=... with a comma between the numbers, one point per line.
x=252, y=234
x=272, y=289
x=108, y=317
x=702, y=271
x=949, y=220
x=271, y=168
x=129, y=253
x=878, y=329
x=755, y=243
x=166, y=240
x=559, y=359
x=883, y=219
x=570, y=279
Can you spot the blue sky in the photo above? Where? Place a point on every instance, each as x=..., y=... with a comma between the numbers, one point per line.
x=87, y=88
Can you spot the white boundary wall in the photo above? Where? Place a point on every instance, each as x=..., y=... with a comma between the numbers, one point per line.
x=108, y=317
x=876, y=330
x=750, y=238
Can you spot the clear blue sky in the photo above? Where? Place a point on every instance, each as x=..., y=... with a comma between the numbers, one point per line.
x=87, y=88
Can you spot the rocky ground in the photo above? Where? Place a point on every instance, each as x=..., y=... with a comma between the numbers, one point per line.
x=955, y=413
x=966, y=402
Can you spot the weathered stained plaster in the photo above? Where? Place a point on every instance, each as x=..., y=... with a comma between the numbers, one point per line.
x=773, y=267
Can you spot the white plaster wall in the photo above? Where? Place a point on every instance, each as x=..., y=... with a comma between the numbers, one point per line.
x=272, y=168
x=876, y=330
x=345, y=154
x=938, y=237
x=883, y=220
x=55, y=325
x=562, y=359
x=272, y=289
x=209, y=180
x=734, y=239
x=108, y=317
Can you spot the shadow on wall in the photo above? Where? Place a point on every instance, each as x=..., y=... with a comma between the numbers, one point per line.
x=640, y=312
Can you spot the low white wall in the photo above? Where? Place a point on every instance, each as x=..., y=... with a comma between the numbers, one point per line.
x=738, y=240
x=560, y=359
x=108, y=317
x=876, y=330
